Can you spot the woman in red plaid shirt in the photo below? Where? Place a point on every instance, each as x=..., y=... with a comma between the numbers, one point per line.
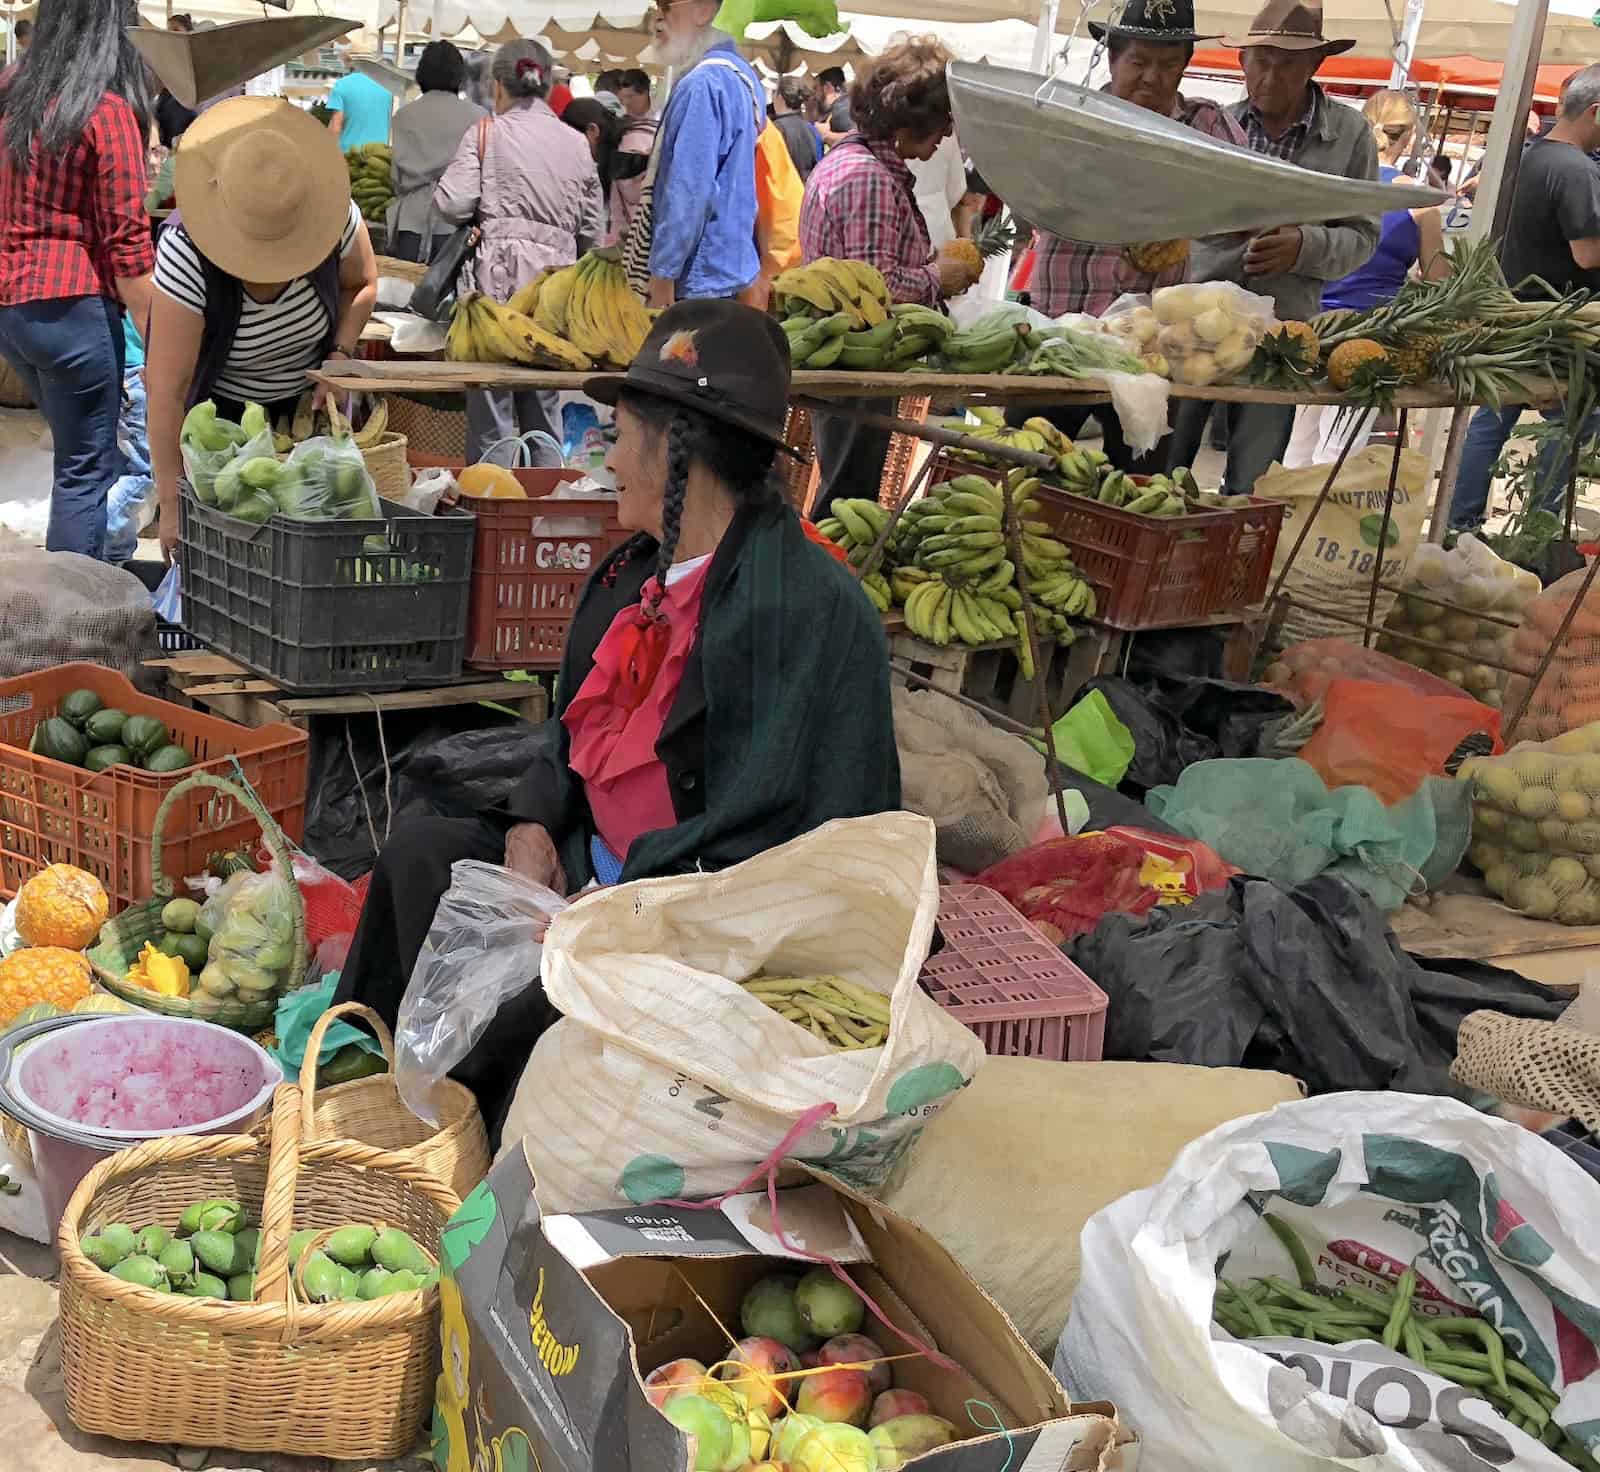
x=861, y=204
x=75, y=248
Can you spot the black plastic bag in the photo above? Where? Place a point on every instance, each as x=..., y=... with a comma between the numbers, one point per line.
x=1309, y=981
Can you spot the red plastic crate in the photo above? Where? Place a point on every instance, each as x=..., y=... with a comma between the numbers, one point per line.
x=55, y=813
x=525, y=585
x=1000, y=977
x=1152, y=573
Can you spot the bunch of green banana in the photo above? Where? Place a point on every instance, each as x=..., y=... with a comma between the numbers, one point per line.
x=1158, y=497
x=371, y=184
x=1080, y=471
x=919, y=331
x=826, y=285
x=816, y=342
x=990, y=345
x=876, y=586
x=856, y=526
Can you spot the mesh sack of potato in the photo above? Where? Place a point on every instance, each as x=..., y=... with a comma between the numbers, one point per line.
x=1209, y=331
x=1304, y=671
x=1487, y=595
x=1569, y=694
x=1536, y=826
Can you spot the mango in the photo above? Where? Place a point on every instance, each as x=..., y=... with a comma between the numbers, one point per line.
x=769, y=1311
x=215, y=1250
x=151, y=1240
x=205, y=1285
x=352, y=1246
x=372, y=1282
x=320, y=1278
x=349, y=1284
x=828, y=1307
x=118, y=1238
x=178, y=1260
x=145, y=1271
x=394, y=1250
x=297, y=1243
x=402, y=1282
x=100, y=1252
x=189, y=1222
x=242, y=1287
x=221, y=1216
x=246, y=1250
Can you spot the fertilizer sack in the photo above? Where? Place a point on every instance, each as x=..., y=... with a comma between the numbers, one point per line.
x=1497, y=1227
x=665, y=1078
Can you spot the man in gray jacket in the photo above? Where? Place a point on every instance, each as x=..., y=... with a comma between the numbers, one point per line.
x=1285, y=115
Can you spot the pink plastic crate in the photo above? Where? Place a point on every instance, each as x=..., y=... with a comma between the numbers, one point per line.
x=999, y=976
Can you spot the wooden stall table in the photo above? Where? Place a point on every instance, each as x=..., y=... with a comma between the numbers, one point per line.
x=217, y=684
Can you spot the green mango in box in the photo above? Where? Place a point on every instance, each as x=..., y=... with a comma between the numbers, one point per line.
x=258, y=507
x=261, y=472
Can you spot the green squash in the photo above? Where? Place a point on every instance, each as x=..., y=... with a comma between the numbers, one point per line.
x=60, y=740
x=101, y=757
x=104, y=727
x=144, y=734
x=78, y=705
x=167, y=759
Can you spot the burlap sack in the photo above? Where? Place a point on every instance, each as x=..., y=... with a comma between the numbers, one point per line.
x=984, y=789
x=1539, y=1065
x=60, y=608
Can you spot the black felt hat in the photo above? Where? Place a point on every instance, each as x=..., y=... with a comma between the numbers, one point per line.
x=727, y=360
x=1152, y=20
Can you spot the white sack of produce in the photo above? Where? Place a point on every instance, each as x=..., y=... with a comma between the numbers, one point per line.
x=1536, y=825
x=665, y=1078
x=1488, y=593
x=1494, y=1234
x=1334, y=568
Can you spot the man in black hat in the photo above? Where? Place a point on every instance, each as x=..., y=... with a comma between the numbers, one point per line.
x=1149, y=47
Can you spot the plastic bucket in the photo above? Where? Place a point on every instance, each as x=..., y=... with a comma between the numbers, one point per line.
x=99, y=1085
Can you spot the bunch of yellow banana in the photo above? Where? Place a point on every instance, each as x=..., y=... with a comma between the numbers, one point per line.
x=306, y=423
x=840, y=1013
x=1023, y=438
x=483, y=330
x=591, y=305
x=876, y=586
x=825, y=286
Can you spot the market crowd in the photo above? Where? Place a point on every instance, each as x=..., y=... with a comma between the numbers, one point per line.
x=711, y=196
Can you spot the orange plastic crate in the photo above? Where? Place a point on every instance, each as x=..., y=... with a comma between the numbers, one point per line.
x=55, y=813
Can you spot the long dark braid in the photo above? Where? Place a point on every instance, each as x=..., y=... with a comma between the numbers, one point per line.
x=680, y=444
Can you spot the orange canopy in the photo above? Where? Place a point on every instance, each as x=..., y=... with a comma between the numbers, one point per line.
x=1446, y=73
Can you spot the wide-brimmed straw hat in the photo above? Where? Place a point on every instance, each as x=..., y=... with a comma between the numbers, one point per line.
x=262, y=188
x=1164, y=21
x=1290, y=25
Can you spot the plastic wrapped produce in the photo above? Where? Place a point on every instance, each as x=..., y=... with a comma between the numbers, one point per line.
x=1569, y=694
x=1536, y=826
x=251, y=925
x=1209, y=330
x=1488, y=595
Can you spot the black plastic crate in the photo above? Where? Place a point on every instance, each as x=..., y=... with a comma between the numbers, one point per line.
x=330, y=605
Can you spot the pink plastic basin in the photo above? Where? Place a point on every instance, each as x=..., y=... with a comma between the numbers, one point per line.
x=120, y=1080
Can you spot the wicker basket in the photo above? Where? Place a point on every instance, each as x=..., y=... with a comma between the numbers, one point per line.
x=123, y=936
x=433, y=434
x=345, y=1381
x=370, y=1110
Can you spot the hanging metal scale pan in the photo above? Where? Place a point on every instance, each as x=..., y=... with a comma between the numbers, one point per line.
x=1088, y=166
x=199, y=66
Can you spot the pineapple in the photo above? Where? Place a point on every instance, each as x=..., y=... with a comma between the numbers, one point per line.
x=996, y=236
x=1364, y=370
x=61, y=906
x=41, y=974
x=1416, y=355
x=1288, y=355
x=1157, y=256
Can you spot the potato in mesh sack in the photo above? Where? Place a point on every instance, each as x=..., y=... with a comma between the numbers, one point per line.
x=1489, y=594
x=1569, y=695
x=1536, y=826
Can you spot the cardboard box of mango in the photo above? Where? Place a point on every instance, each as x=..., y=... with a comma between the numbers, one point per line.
x=669, y=1339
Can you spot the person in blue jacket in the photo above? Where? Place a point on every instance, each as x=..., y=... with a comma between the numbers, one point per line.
x=703, y=198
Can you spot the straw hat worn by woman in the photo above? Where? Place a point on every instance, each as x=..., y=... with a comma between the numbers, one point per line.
x=1410, y=240
x=725, y=685
x=265, y=270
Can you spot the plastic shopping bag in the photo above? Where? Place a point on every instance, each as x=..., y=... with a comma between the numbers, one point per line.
x=167, y=600
x=483, y=948
x=1090, y=739
x=665, y=1078
x=326, y=479
x=1496, y=1225
x=1209, y=330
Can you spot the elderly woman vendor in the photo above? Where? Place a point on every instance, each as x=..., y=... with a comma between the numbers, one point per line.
x=724, y=688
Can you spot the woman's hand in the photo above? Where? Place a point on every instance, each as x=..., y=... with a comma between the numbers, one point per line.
x=955, y=274
x=167, y=530
x=531, y=852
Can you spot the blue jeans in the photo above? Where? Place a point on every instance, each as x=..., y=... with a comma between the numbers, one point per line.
x=1486, y=439
x=68, y=353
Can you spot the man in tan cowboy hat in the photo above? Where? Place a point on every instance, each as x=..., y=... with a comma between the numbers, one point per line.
x=1285, y=115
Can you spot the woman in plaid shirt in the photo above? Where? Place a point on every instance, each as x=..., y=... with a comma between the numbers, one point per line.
x=75, y=247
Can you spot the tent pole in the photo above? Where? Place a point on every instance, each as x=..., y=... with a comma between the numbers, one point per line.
x=1508, y=126
x=400, y=37
x=1406, y=47
x=1044, y=36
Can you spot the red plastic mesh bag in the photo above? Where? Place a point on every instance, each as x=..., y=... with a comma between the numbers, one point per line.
x=1304, y=671
x=1569, y=695
x=1066, y=885
x=1388, y=739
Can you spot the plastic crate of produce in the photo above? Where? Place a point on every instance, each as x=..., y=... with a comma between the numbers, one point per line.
x=330, y=605
x=54, y=813
x=529, y=565
x=1150, y=572
x=1000, y=977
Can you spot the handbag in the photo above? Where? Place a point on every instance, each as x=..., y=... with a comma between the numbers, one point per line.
x=435, y=293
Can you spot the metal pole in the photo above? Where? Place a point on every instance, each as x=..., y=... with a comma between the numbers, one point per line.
x=400, y=36
x=1508, y=128
x=1406, y=45
x=1044, y=36
x=1439, y=520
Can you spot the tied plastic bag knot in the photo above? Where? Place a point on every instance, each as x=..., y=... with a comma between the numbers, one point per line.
x=485, y=947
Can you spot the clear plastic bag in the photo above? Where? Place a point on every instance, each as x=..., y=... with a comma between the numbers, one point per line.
x=1132, y=321
x=208, y=445
x=238, y=480
x=483, y=948
x=1209, y=330
x=326, y=479
x=252, y=944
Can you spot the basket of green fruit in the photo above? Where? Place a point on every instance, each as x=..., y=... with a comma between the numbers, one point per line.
x=227, y=961
x=258, y=1292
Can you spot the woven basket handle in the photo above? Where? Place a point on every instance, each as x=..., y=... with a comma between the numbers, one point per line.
x=272, y=835
x=308, y=1064
x=277, y=1200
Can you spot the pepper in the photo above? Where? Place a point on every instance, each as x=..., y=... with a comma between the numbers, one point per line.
x=1294, y=1247
x=1401, y=1310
